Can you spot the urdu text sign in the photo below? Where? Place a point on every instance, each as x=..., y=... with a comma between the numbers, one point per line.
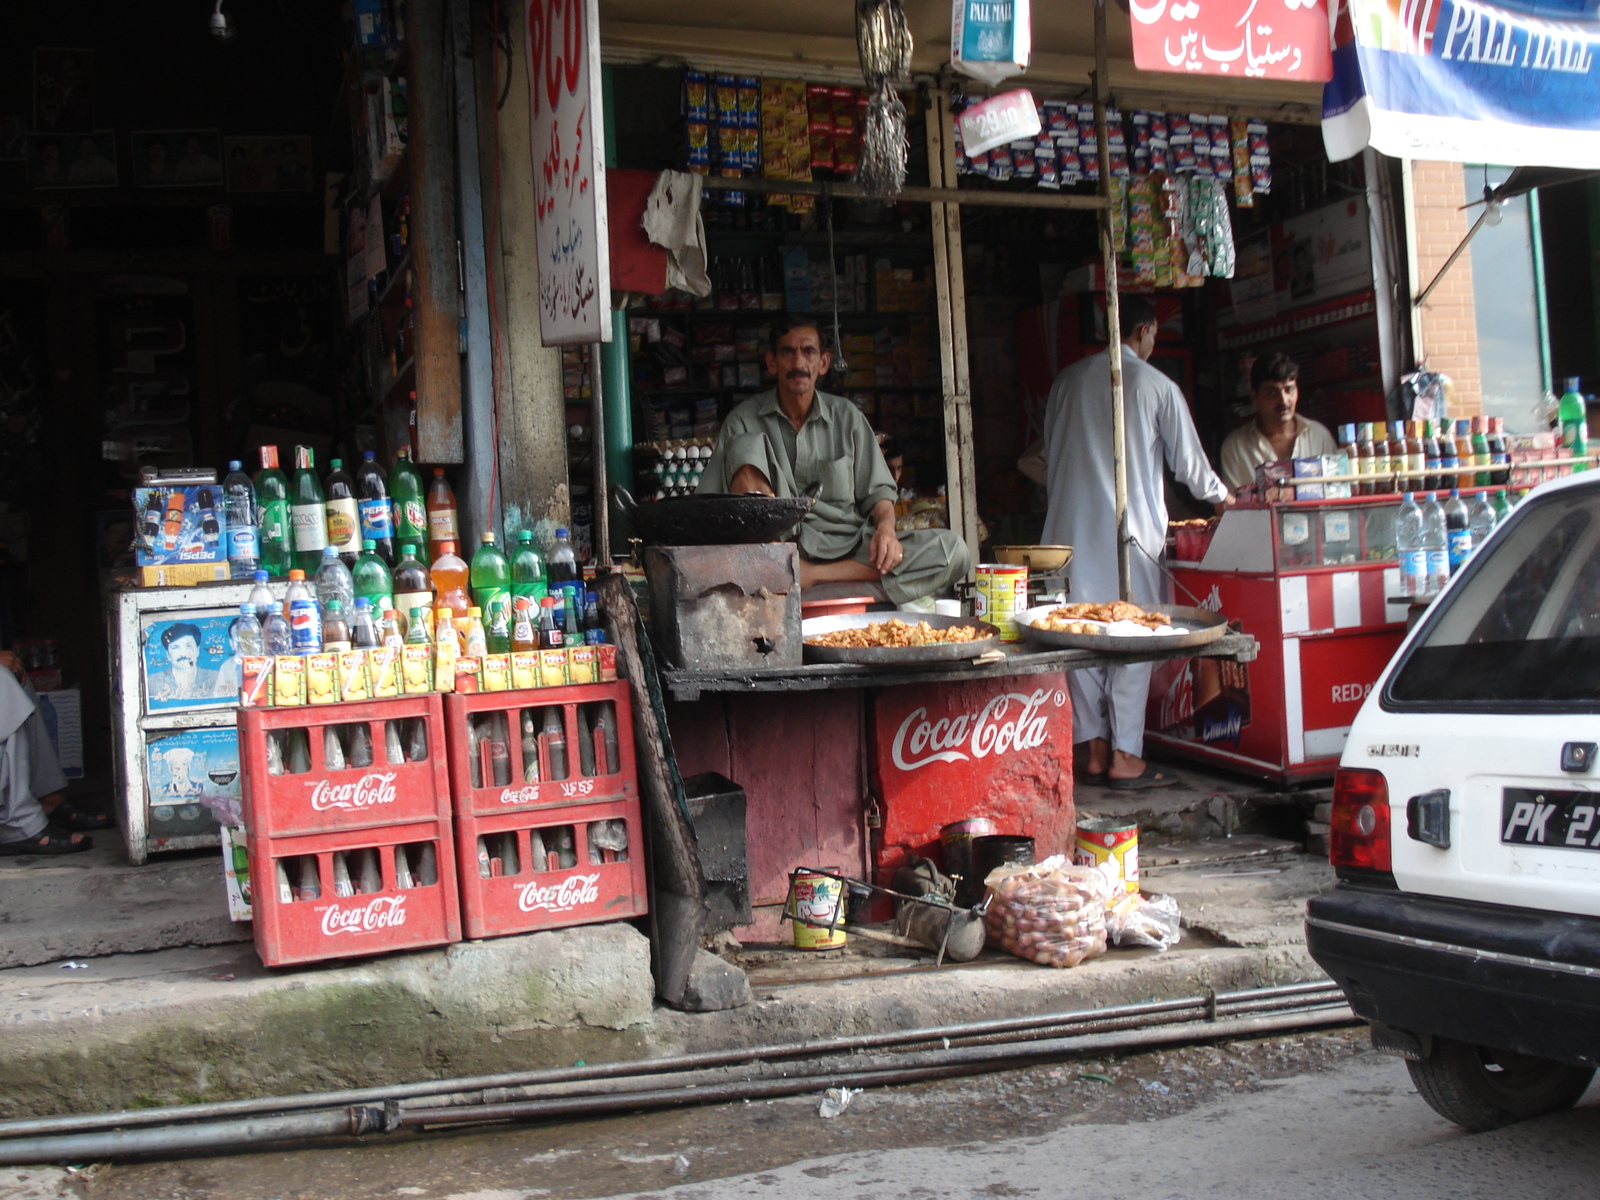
x=1246, y=39
x=569, y=183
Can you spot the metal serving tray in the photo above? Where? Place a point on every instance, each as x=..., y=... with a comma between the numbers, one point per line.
x=885, y=656
x=1204, y=626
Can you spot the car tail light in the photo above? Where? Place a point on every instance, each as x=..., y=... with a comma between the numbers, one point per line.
x=1359, y=829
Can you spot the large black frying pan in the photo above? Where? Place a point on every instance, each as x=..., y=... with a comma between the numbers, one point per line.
x=716, y=518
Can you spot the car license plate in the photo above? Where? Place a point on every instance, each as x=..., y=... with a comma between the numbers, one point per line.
x=1530, y=817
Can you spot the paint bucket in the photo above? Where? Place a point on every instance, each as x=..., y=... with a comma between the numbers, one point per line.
x=1000, y=593
x=818, y=899
x=955, y=842
x=994, y=850
x=1112, y=845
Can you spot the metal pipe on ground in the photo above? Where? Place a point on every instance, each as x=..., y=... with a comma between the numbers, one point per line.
x=912, y=1068
x=1215, y=1003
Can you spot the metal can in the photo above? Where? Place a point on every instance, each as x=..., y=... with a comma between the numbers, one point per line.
x=1112, y=845
x=1001, y=592
x=817, y=899
x=955, y=840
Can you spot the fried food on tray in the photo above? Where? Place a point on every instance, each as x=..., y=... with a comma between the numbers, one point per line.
x=1072, y=618
x=895, y=634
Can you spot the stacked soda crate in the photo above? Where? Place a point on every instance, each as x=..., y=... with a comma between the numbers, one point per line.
x=391, y=825
x=348, y=811
x=546, y=808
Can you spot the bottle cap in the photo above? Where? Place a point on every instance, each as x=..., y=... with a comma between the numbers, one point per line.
x=336, y=463
x=525, y=535
x=475, y=611
x=1411, y=497
x=419, y=613
x=1573, y=383
x=438, y=471
x=1455, y=493
x=561, y=532
x=367, y=456
x=363, y=602
x=336, y=605
x=329, y=552
x=408, y=551
x=488, y=538
x=234, y=464
x=369, y=544
x=247, y=609
x=297, y=574
x=259, y=576
x=548, y=602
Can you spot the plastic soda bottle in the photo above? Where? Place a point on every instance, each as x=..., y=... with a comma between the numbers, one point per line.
x=527, y=570
x=333, y=580
x=1458, y=530
x=335, y=628
x=371, y=577
x=344, y=516
x=247, y=637
x=307, y=511
x=305, y=616
x=1480, y=450
x=563, y=564
x=442, y=525
x=377, y=511
x=261, y=598
x=239, y=506
x=477, y=641
x=1481, y=520
x=1436, y=542
x=524, y=633
x=363, y=633
x=273, y=521
x=449, y=573
x=550, y=634
x=405, y=496
x=1502, y=506
x=1574, y=415
x=412, y=586
x=491, y=591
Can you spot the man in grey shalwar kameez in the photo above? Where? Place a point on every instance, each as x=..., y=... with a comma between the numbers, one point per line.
x=1108, y=705
x=29, y=773
x=782, y=441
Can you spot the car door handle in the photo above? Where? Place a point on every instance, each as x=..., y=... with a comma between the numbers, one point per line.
x=1428, y=818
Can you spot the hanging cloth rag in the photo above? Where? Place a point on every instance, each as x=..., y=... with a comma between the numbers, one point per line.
x=672, y=221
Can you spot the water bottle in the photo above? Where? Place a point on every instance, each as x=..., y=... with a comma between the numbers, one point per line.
x=261, y=598
x=1436, y=544
x=1481, y=520
x=247, y=637
x=305, y=615
x=1408, y=544
x=562, y=566
x=276, y=635
x=239, y=506
x=1458, y=531
x=334, y=581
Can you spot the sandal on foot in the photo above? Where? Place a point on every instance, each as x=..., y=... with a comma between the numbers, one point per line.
x=51, y=841
x=70, y=817
x=1148, y=778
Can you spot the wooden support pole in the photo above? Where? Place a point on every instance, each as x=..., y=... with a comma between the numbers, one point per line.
x=1108, y=248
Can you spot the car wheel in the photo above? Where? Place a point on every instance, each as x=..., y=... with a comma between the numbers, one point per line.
x=1480, y=1088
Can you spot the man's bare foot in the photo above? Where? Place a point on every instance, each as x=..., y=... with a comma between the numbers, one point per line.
x=1097, y=758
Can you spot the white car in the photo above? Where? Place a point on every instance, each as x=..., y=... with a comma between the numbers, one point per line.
x=1465, y=926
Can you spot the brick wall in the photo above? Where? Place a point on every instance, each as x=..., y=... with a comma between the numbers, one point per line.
x=1449, y=331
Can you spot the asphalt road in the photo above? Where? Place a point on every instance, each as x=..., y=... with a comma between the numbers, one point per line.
x=1275, y=1119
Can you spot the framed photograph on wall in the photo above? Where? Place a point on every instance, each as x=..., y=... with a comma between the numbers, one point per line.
x=63, y=90
x=72, y=160
x=279, y=163
x=189, y=662
x=176, y=158
x=13, y=139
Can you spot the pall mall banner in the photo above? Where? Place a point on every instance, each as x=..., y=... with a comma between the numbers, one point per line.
x=1515, y=83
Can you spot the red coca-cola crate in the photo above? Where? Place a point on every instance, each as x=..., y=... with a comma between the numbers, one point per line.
x=515, y=897
x=289, y=789
x=402, y=884
x=488, y=774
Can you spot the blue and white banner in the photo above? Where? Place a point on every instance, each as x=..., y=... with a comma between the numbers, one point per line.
x=1515, y=83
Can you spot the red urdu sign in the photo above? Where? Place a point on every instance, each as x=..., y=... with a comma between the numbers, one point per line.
x=1252, y=39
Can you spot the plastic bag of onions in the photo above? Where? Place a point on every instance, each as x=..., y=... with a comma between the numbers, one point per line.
x=1052, y=913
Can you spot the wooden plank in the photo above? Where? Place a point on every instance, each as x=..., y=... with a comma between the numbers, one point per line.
x=437, y=298
x=943, y=216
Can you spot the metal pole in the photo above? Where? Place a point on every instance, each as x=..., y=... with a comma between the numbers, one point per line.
x=1108, y=249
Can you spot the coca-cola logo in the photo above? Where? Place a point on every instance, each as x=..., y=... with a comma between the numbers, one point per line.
x=559, y=897
x=361, y=793
x=1008, y=722
x=521, y=795
x=382, y=912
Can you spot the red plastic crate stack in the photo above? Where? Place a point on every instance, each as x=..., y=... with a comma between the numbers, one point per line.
x=558, y=844
x=350, y=859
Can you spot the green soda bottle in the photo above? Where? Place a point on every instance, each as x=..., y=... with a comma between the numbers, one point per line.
x=1501, y=506
x=405, y=491
x=372, y=578
x=1575, y=423
x=308, y=512
x=272, y=511
x=527, y=571
x=491, y=591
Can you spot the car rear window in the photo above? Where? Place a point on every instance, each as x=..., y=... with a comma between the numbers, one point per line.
x=1522, y=630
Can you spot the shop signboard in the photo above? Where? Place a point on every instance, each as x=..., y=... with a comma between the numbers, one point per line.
x=569, y=184
x=996, y=748
x=1242, y=39
x=1516, y=84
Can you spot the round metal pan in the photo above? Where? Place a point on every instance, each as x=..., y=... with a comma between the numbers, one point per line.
x=883, y=656
x=716, y=518
x=1203, y=625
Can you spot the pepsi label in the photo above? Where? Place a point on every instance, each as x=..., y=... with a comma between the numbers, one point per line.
x=305, y=627
x=1460, y=547
x=377, y=520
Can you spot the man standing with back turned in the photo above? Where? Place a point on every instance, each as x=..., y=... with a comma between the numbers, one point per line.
x=782, y=441
x=1108, y=704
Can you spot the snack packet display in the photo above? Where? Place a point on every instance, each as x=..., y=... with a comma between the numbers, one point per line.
x=1052, y=913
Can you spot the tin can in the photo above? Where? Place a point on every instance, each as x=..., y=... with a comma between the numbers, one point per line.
x=955, y=840
x=1001, y=593
x=816, y=898
x=1112, y=845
